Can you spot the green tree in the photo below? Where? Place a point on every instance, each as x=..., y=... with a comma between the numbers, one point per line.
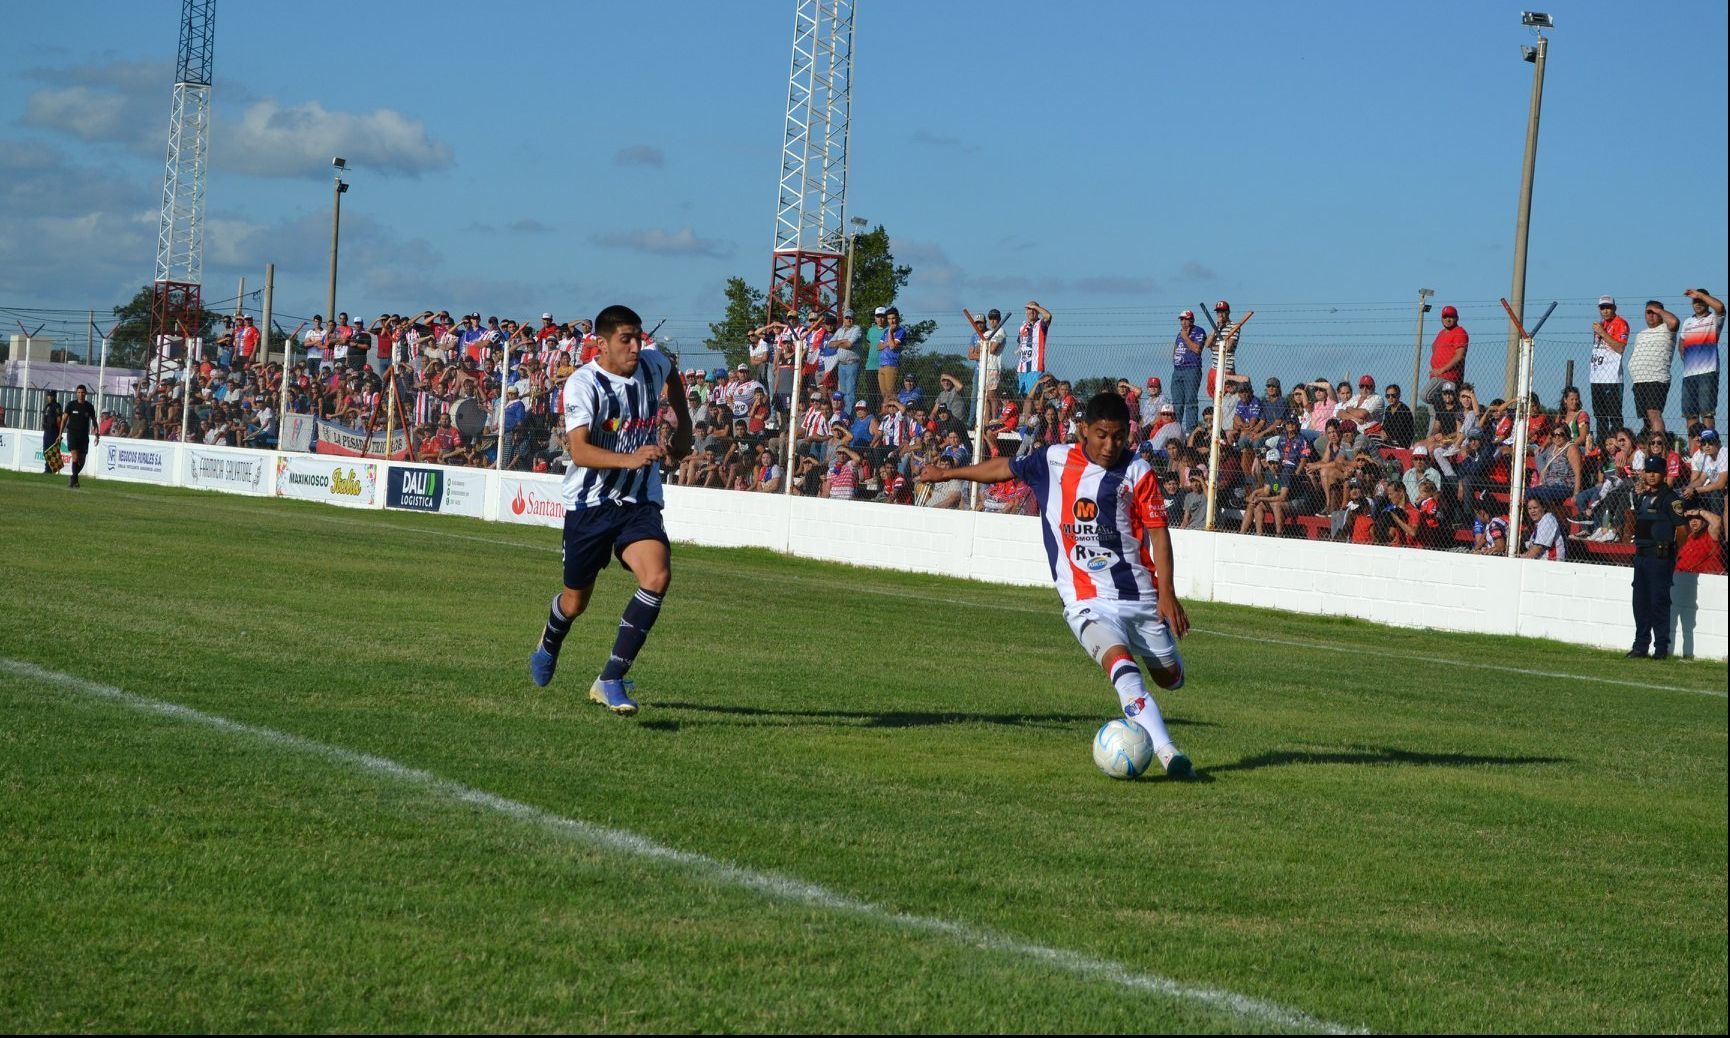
x=877, y=280
x=745, y=308
x=129, y=346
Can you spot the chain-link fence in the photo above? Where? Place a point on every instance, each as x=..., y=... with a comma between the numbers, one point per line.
x=1374, y=423
x=1350, y=422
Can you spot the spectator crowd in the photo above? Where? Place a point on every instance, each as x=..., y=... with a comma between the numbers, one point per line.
x=1353, y=460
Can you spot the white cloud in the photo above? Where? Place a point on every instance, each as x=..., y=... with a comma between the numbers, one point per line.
x=656, y=242
x=127, y=103
x=271, y=140
x=91, y=114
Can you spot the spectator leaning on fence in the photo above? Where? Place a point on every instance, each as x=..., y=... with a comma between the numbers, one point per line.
x=1447, y=357
x=1698, y=342
x=1609, y=342
x=849, y=341
x=1030, y=346
x=1649, y=364
x=889, y=354
x=1186, y=367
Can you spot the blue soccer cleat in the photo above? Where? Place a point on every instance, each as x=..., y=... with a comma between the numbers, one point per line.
x=541, y=666
x=612, y=695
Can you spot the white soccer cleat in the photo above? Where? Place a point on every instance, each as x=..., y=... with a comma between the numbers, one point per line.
x=1174, y=762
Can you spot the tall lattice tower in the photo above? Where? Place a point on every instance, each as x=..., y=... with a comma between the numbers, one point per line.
x=177, y=310
x=811, y=209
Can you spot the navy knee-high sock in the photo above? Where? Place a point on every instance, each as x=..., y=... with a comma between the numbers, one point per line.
x=558, y=625
x=634, y=625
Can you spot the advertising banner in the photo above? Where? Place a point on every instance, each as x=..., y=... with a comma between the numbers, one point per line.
x=425, y=489
x=350, y=483
x=532, y=499
x=332, y=438
x=29, y=450
x=297, y=432
x=141, y=461
x=9, y=448
x=238, y=472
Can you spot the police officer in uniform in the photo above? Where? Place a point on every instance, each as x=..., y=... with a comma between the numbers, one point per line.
x=1657, y=513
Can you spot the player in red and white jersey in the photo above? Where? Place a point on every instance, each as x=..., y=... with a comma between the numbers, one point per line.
x=1110, y=555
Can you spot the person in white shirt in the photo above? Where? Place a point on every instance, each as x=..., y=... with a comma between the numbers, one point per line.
x=316, y=337
x=1649, y=364
x=1709, y=467
x=1609, y=342
x=1365, y=408
x=1546, y=541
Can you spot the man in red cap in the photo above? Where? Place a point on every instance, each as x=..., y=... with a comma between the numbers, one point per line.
x=1151, y=400
x=1365, y=409
x=1224, y=343
x=1447, y=358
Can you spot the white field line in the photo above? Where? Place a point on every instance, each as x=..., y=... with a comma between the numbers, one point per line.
x=1440, y=661
x=629, y=844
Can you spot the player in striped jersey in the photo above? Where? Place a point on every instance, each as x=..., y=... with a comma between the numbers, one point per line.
x=1110, y=556
x=612, y=493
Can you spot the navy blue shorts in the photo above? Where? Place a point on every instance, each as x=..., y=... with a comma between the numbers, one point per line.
x=594, y=534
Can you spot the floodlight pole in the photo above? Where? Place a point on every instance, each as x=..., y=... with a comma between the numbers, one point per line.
x=1424, y=295
x=1522, y=224
x=336, y=191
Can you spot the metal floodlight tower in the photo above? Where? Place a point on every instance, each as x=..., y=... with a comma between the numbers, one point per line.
x=811, y=207
x=177, y=306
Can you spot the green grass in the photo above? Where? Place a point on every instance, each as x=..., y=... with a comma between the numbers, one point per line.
x=1374, y=841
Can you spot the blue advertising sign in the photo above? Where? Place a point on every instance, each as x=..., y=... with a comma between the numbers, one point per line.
x=418, y=490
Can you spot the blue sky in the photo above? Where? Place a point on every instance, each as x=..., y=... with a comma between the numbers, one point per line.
x=1317, y=163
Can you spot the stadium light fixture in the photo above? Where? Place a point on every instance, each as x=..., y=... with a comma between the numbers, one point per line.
x=1537, y=20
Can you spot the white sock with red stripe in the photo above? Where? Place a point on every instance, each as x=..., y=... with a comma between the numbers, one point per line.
x=1138, y=706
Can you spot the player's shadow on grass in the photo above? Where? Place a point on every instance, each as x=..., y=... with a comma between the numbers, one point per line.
x=902, y=718
x=1378, y=755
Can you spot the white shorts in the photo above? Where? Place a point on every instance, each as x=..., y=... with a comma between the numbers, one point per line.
x=1135, y=625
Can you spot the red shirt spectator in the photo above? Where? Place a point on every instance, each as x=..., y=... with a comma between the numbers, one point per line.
x=1701, y=552
x=1448, y=352
x=246, y=337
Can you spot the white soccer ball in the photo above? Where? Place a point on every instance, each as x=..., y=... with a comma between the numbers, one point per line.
x=1122, y=749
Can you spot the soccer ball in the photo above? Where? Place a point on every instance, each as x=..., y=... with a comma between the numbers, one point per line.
x=1122, y=749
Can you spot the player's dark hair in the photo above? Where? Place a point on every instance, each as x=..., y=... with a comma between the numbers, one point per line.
x=1108, y=406
x=615, y=317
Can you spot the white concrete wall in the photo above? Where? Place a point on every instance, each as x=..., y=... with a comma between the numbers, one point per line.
x=1583, y=604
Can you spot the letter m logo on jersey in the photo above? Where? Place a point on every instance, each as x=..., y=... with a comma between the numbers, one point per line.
x=1086, y=510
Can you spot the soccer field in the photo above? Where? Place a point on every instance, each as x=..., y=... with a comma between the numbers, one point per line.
x=277, y=766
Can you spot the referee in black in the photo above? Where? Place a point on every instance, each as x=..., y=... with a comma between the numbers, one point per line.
x=1657, y=513
x=77, y=423
x=51, y=415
